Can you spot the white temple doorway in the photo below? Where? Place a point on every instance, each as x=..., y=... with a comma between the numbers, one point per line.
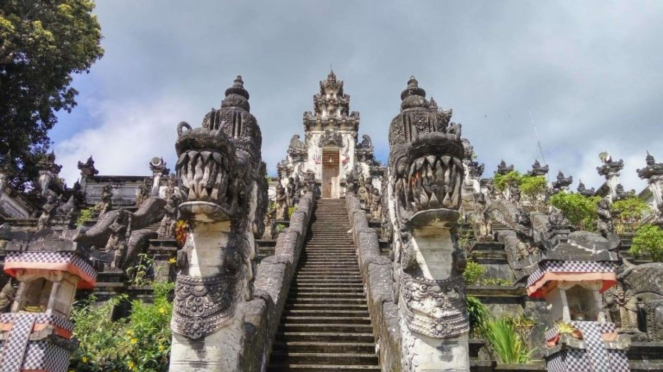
x=330, y=176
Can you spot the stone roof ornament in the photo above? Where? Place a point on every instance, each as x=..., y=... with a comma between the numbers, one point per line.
x=331, y=108
x=582, y=190
x=503, y=169
x=538, y=170
x=562, y=183
x=87, y=169
x=653, y=173
x=610, y=170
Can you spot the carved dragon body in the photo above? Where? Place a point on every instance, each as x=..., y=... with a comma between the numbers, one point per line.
x=425, y=180
x=221, y=178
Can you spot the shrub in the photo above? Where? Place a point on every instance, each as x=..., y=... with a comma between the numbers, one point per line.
x=86, y=215
x=279, y=228
x=627, y=213
x=533, y=186
x=496, y=281
x=501, y=181
x=473, y=273
x=648, y=239
x=505, y=342
x=580, y=210
x=138, y=343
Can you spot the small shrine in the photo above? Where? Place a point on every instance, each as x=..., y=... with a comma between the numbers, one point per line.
x=574, y=272
x=45, y=268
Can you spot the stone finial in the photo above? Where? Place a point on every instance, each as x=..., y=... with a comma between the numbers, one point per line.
x=87, y=169
x=562, y=183
x=583, y=190
x=538, y=170
x=503, y=169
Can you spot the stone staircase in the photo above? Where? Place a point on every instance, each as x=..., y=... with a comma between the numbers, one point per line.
x=325, y=324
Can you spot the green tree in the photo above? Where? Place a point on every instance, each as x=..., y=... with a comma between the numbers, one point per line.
x=533, y=186
x=42, y=43
x=627, y=213
x=648, y=239
x=501, y=181
x=579, y=209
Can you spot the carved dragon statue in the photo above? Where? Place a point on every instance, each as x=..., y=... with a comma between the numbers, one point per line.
x=224, y=192
x=425, y=179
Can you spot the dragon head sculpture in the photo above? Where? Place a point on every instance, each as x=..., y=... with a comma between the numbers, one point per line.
x=221, y=179
x=425, y=183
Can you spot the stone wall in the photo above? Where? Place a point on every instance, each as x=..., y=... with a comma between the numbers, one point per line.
x=376, y=272
x=273, y=278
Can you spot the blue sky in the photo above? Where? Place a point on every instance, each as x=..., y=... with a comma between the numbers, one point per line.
x=589, y=72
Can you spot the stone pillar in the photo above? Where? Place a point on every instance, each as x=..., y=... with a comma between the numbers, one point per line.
x=610, y=170
x=158, y=168
x=653, y=173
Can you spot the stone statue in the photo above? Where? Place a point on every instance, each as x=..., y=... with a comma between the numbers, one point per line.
x=604, y=224
x=281, y=202
x=48, y=211
x=225, y=211
x=653, y=173
x=481, y=222
x=106, y=202
x=8, y=295
x=426, y=179
x=525, y=246
x=290, y=192
x=376, y=205
x=48, y=171
x=144, y=191
x=169, y=220
x=622, y=306
x=117, y=242
x=362, y=193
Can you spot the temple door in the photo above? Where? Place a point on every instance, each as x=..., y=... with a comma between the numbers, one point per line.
x=330, y=167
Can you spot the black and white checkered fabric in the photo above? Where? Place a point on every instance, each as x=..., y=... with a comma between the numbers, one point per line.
x=41, y=318
x=594, y=345
x=14, y=348
x=569, y=267
x=53, y=257
x=619, y=361
x=604, y=327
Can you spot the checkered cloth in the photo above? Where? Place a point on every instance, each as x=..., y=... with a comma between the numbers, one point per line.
x=41, y=318
x=65, y=261
x=44, y=356
x=569, y=267
x=14, y=349
x=604, y=327
x=596, y=351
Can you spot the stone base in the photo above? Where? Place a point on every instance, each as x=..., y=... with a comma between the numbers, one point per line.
x=218, y=352
x=426, y=354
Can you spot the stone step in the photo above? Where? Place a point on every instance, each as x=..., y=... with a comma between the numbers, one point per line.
x=292, y=319
x=328, y=287
x=325, y=300
x=326, y=336
x=325, y=347
x=339, y=313
x=320, y=368
x=331, y=327
x=322, y=306
x=325, y=358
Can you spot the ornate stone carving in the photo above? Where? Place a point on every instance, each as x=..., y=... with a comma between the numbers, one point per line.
x=610, y=170
x=331, y=138
x=204, y=305
x=8, y=294
x=376, y=205
x=169, y=220
x=281, y=202
x=435, y=308
x=48, y=211
x=117, y=242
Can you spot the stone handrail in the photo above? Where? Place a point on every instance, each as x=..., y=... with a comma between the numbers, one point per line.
x=273, y=279
x=376, y=272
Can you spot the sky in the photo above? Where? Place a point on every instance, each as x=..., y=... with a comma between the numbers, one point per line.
x=586, y=76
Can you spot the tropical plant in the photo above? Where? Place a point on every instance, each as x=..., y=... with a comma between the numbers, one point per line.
x=473, y=273
x=523, y=324
x=501, y=181
x=505, y=342
x=533, y=186
x=580, y=210
x=139, y=274
x=291, y=210
x=86, y=215
x=648, y=239
x=139, y=343
x=479, y=316
x=627, y=213
x=495, y=281
x=279, y=227
x=42, y=43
